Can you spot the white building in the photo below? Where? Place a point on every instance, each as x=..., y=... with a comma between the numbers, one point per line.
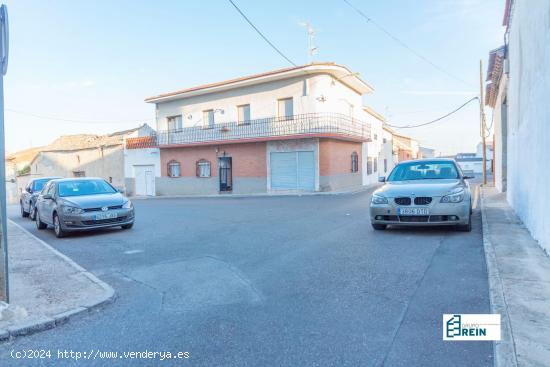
x=296, y=129
x=519, y=75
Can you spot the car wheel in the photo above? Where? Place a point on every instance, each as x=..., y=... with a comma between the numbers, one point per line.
x=127, y=226
x=39, y=223
x=32, y=214
x=59, y=233
x=466, y=227
x=379, y=227
x=24, y=214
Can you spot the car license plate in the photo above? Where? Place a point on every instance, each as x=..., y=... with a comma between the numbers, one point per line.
x=413, y=211
x=108, y=215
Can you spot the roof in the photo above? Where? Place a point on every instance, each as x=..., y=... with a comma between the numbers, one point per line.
x=25, y=155
x=429, y=160
x=494, y=73
x=87, y=141
x=341, y=73
x=373, y=113
x=507, y=13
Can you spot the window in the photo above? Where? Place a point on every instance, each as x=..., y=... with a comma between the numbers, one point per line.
x=174, y=169
x=384, y=140
x=79, y=174
x=174, y=122
x=208, y=118
x=369, y=166
x=203, y=168
x=425, y=170
x=286, y=108
x=385, y=165
x=354, y=162
x=375, y=136
x=375, y=160
x=243, y=113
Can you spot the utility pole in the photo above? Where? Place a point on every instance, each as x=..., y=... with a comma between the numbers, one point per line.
x=4, y=51
x=482, y=121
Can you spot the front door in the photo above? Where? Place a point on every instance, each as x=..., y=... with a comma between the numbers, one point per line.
x=226, y=177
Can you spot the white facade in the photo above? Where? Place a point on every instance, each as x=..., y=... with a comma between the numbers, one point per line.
x=528, y=133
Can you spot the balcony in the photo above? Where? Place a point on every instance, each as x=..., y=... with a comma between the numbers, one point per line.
x=329, y=125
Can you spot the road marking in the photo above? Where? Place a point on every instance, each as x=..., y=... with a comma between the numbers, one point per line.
x=131, y=252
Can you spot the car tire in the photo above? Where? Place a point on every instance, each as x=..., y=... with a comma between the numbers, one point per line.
x=466, y=227
x=39, y=223
x=379, y=227
x=24, y=214
x=128, y=226
x=59, y=233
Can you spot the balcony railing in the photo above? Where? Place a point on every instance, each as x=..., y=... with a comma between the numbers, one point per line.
x=312, y=124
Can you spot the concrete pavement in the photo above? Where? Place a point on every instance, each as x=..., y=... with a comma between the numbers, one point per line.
x=519, y=279
x=46, y=287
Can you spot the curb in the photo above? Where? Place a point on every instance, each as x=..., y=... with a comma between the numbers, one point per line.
x=45, y=323
x=261, y=195
x=504, y=351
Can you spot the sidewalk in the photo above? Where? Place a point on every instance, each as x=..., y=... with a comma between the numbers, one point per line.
x=519, y=282
x=46, y=287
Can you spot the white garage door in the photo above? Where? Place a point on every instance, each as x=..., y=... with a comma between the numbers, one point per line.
x=292, y=171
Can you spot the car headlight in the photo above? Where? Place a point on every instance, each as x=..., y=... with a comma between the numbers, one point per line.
x=127, y=205
x=377, y=199
x=455, y=196
x=71, y=210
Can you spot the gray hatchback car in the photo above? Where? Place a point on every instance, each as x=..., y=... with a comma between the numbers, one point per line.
x=80, y=204
x=427, y=192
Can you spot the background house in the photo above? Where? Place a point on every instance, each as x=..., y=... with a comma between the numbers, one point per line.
x=288, y=130
x=405, y=147
x=86, y=155
x=18, y=172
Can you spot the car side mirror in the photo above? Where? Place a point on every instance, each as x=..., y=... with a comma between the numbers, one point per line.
x=29, y=190
x=381, y=179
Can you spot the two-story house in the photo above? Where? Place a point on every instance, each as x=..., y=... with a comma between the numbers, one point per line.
x=288, y=130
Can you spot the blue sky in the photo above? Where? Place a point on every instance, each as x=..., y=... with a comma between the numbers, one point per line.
x=95, y=62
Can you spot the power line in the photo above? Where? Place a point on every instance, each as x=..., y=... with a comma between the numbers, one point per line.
x=437, y=119
x=404, y=45
x=261, y=34
x=73, y=120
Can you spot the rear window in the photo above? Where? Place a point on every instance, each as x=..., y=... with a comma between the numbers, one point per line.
x=429, y=170
x=39, y=184
x=84, y=187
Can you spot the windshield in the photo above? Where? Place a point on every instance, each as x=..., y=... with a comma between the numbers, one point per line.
x=84, y=187
x=429, y=170
x=39, y=184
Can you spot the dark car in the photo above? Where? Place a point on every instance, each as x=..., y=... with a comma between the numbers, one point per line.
x=28, y=196
x=81, y=204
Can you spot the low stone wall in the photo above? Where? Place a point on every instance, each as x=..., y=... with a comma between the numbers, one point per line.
x=345, y=181
x=207, y=186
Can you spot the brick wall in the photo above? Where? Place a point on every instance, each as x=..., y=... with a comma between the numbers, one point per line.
x=335, y=156
x=249, y=159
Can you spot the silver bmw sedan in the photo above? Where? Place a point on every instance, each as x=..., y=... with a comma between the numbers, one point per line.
x=425, y=192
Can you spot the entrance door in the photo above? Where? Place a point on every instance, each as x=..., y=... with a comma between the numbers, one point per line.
x=145, y=180
x=226, y=177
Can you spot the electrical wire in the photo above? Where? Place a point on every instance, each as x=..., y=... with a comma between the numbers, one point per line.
x=437, y=119
x=404, y=45
x=261, y=34
x=74, y=120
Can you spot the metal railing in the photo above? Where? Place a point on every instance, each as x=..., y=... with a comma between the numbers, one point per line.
x=322, y=123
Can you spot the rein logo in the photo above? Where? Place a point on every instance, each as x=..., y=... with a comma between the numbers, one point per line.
x=471, y=327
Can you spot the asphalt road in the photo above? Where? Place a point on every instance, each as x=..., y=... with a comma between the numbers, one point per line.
x=272, y=281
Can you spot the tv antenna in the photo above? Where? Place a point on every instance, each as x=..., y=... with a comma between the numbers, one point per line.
x=312, y=50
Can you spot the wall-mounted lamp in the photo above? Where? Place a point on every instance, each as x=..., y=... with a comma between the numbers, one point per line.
x=321, y=98
x=220, y=110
